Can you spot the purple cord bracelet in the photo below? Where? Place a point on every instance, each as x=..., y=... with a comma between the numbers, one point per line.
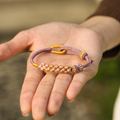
x=62, y=68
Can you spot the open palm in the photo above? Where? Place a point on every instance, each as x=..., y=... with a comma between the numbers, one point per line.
x=45, y=92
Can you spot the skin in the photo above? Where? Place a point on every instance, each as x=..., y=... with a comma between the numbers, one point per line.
x=43, y=92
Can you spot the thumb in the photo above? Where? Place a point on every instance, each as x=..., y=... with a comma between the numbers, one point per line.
x=18, y=44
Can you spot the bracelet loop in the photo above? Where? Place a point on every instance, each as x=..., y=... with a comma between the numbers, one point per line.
x=57, y=52
x=60, y=68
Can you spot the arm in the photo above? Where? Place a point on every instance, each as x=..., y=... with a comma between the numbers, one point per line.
x=108, y=27
x=45, y=92
x=109, y=8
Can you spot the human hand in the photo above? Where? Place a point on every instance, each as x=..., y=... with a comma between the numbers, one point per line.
x=45, y=92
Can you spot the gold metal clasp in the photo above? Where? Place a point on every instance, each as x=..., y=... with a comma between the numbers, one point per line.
x=57, y=52
x=35, y=64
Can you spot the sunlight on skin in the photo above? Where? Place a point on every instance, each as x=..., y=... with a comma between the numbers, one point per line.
x=45, y=92
x=42, y=92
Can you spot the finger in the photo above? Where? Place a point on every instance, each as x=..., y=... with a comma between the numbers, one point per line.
x=15, y=46
x=32, y=79
x=58, y=92
x=41, y=96
x=78, y=82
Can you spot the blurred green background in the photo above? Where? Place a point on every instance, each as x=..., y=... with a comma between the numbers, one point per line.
x=105, y=87
x=95, y=101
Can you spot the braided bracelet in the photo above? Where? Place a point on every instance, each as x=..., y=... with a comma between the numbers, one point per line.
x=62, y=68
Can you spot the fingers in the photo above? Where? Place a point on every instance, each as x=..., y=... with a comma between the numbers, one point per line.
x=32, y=79
x=17, y=45
x=40, y=100
x=58, y=93
x=39, y=97
x=76, y=85
x=79, y=81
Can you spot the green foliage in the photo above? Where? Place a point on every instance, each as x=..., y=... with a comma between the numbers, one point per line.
x=108, y=77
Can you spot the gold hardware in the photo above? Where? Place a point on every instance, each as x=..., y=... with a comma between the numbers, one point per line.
x=57, y=52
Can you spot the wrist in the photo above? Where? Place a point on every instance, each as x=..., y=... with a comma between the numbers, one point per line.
x=107, y=27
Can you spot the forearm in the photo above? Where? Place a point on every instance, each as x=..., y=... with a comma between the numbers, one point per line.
x=107, y=27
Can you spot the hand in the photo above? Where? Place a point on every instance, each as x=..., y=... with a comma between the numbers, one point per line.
x=45, y=92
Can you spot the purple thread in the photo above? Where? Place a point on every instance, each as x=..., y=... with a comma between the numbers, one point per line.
x=75, y=51
x=38, y=52
x=69, y=50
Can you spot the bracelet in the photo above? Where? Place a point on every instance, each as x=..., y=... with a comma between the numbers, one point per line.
x=62, y=68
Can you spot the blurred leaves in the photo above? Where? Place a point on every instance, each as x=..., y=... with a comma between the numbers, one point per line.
x=109, y=70
x=108, y=80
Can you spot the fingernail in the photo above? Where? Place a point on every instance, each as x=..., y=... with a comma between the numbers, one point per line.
x=70, y=101
x=25, y=115
x=50, y=115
